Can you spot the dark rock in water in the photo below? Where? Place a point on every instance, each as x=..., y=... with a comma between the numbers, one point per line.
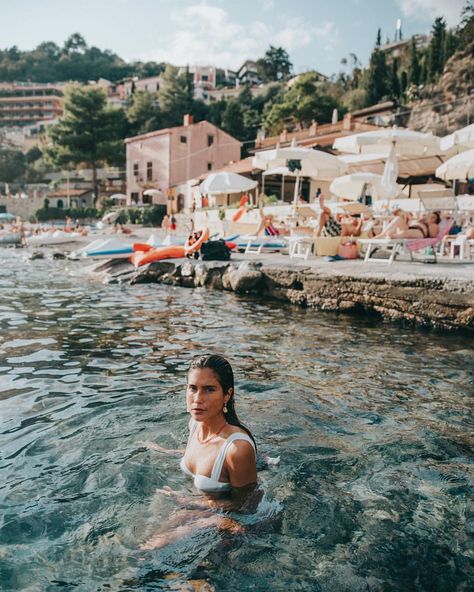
x=58, y=255
x=247, y=277
x=36, y=255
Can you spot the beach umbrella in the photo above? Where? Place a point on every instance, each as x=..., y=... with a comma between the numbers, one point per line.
x=390, y=175
x=355, y=185
x=7, y=216
x=118, y=196
x=223, y=182
x=405, y=142
x=461, y=140
x=458, y=167
x=304, y=162
x=110, y=217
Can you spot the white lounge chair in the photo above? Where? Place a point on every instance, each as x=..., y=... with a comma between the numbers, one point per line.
x=395, y=246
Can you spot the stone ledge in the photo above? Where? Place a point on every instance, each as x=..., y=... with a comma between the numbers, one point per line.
x=426, y=301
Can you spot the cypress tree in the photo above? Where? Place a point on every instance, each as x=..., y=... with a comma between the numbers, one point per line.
x=436, y=49
x=394, y=81
x=414, y=69
x=378, y=81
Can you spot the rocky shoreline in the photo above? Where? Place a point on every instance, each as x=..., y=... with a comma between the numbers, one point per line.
x=415, y=298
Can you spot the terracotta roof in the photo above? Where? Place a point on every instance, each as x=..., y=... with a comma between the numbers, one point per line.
x=167, y=130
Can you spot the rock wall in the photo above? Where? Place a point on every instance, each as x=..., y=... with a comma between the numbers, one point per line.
x=447, y=106
x=424, y=302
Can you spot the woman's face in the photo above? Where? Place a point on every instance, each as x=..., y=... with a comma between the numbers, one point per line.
x=204, y=395
x=433, y=219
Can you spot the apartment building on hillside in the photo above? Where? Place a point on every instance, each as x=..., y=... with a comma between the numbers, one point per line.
x=28, y=103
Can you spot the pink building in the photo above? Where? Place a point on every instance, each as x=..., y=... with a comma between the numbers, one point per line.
x=165, y=158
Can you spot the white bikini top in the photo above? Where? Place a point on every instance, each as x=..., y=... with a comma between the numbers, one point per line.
x=212, y=483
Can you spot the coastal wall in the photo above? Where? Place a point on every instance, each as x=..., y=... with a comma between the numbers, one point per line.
x=430, y=301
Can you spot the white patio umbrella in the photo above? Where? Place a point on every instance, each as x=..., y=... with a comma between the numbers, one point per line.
x=458, y=167
x=462, y=139
x=406, y=142
x=223, y=182
x=312, y=163
x=110, y=217
x=118, y=196
x=352, y=186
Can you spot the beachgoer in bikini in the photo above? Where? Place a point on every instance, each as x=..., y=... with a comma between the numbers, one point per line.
x=403, y=226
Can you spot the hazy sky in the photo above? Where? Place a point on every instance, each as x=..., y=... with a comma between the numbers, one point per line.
x=316, y=33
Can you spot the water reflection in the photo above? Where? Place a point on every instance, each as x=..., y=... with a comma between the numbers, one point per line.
x=370, y=424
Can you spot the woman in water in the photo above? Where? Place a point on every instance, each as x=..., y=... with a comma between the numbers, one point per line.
x=220, y=455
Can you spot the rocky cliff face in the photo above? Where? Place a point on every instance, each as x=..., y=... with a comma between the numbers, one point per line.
x=448, y=105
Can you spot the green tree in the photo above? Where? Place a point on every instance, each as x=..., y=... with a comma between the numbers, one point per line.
x=377, y=85
x=233, y=119
x=275, y=64
x=144, y=113
x=300, y=105
x=75, y=43
x=89, y=132
x=175, y=96
x=450, y=44
x=12, y=165
x=414, y=68
x=394, y=80
x=465, y=30
x=436, y=49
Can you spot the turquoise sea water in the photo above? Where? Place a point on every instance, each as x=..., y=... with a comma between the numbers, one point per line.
x=372, y=425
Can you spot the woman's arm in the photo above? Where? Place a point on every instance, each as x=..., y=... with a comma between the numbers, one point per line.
x=158, y=448
x=241, y=464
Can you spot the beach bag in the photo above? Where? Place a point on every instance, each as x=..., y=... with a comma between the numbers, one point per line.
x=347, y=250
x=215, y=250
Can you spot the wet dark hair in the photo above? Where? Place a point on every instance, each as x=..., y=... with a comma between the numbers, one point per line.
x=224, y=374
x=438, y=217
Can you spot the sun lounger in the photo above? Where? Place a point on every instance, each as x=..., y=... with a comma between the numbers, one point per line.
x=400, y=245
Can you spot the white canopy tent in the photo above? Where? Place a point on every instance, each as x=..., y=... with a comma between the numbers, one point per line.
x=309, y=163
x=405, y=142
x=458, y=167
x=219, y=183
x=355, y=185
x=459, y=140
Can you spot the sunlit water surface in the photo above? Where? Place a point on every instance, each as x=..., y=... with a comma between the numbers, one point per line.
x=371, y=424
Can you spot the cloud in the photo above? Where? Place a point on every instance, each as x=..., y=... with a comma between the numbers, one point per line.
x=205, y=34
x=267, y=4
x=430, y=9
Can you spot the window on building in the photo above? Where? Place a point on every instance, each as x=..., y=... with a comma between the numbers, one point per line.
x=60, y=203
x=210, y=140
x=134, y=197
x=147, y=199
x=183, y=139
x=209, y=166
x=149, y=171
x=135, y=169
x=205, y=77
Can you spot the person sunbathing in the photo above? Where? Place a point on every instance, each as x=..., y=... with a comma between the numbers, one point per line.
x=330, y=225
x=403, y=226
x=266, y=224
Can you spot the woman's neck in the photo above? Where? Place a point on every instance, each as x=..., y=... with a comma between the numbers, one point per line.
x=212, y=426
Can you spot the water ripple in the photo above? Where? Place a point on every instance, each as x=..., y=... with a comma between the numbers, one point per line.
x=370, y=423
